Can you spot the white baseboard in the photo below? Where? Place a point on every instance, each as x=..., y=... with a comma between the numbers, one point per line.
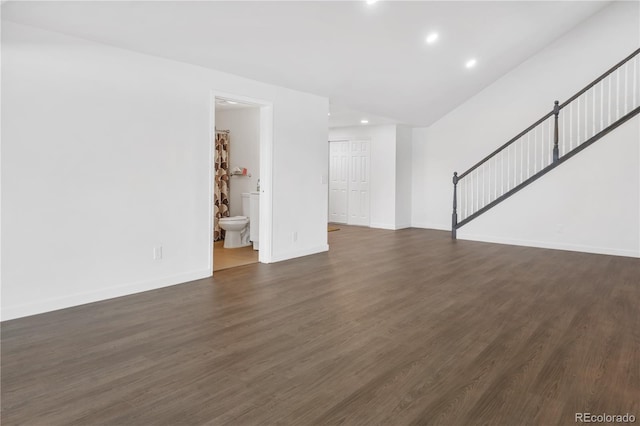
x=53, y=304
x=430, y=225
x=381, y=225
x=548, y=245
x=377, y=225
x=279, y=257
x=389, y=226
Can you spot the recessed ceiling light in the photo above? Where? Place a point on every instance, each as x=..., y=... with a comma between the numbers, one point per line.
x=471, y=63
x=364, y=121
x=431, y=38
x=232, y=102
x=370, y=2
x=328, y=113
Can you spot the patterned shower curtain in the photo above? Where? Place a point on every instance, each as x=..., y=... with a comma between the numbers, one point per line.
x=221, y=189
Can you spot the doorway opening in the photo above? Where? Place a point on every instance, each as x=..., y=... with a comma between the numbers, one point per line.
x=240, y=181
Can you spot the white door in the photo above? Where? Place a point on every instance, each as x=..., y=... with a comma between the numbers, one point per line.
x=359, y=173
x=338, y=181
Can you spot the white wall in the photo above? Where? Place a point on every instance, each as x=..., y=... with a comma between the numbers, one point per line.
x=591, y=203
x=300, y=174
x=106, y=154
x=383, y=169
x=403, y=176
x=509, y=105
x=420, y=200
x=391, y=171
x=244, y=151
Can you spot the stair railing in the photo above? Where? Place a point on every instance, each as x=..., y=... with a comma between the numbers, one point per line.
x=571, y=126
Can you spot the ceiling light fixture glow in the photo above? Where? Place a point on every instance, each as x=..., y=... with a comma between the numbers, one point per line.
x=364, y=121
x=431, y=38
x=370, y=2
x=232, y=102
x=471, y=63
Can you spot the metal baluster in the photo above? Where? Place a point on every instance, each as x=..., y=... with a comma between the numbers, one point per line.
x=469, y=203
x=474, y=202
x=464, y=198
x=483, y=184
x=528, y=157
x=487, y=183
x=617, y=93
x=593, y=113
x=578, y=121
x=469, y=178
x=477, y=195
x=601, y=105
x=502, y=172
x=514, y=166
x=544, y=143
x=544, y=132
x=470, y=194
x=570, y=125
x=513, y=163
x=461, y=199
x=635, y=80
x=609, y=98
x=518, y=160
x=626, y=86
x=495, y=180
x=477, y=190
x=586, y=115
x=487, y=196
x=508, y=180
x=565, y=124
x=535, y=149
x=492, y=180
x=537, y=130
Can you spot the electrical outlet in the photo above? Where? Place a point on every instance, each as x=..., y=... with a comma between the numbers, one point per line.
x=157, y=253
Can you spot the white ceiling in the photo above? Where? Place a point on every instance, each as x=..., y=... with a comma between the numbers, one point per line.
x=368, y=60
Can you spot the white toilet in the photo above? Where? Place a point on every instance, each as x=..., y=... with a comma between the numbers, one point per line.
x=237, y=227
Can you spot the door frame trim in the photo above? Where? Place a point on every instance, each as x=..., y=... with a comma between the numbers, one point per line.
x=265, y=254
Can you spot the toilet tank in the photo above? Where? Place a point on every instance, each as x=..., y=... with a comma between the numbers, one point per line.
x=246, y=206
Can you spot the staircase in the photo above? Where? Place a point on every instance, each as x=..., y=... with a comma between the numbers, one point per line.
x=570, y=127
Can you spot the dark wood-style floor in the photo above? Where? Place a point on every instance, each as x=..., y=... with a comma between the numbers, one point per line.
x=388, y=328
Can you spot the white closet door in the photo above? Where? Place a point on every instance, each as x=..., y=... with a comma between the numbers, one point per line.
x=359, y=175
x=338, y=181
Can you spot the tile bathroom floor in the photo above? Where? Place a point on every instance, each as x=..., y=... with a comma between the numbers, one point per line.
x=228, y=258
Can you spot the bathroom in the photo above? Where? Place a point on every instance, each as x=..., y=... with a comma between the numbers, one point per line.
x=236, y=184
